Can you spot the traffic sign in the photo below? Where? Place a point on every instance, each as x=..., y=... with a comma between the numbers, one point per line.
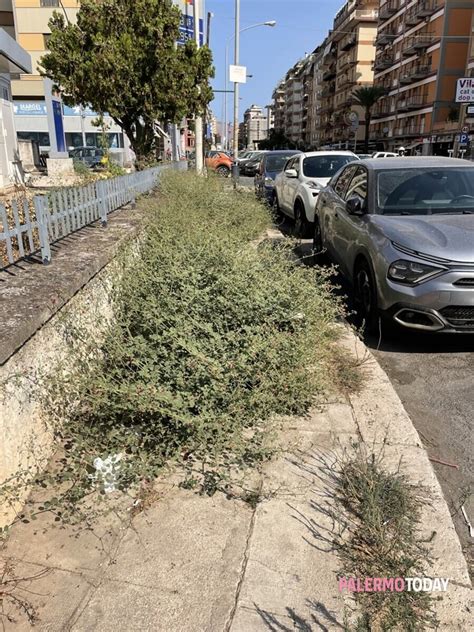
x=237, y=74
x=465, y=129
x=463, y=139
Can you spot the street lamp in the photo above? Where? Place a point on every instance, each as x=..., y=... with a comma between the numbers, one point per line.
x=270, y=23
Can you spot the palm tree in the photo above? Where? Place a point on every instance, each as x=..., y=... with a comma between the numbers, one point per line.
x=367, y=97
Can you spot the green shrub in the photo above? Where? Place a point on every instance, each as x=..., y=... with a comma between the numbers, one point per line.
x=212, y=337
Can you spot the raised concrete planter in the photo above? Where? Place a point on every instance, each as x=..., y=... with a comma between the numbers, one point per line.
x=60, y=166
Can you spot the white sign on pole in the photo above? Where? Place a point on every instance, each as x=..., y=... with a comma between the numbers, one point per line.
x=237, y=74
x=465, y=90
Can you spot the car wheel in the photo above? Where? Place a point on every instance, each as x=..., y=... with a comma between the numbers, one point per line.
x=365, y=298
x=302, y=226
x=278, y=217
x=222, y=170
x=317, y=240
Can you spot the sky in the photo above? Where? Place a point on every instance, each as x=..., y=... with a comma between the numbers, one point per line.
x=267, y=52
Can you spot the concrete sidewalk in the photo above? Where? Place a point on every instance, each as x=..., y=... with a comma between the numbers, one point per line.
x=199, y=564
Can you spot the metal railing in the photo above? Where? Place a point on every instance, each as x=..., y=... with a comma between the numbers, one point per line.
x=31, y=226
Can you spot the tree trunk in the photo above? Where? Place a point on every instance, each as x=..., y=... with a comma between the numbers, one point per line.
x=142, y=141
x=367, y=129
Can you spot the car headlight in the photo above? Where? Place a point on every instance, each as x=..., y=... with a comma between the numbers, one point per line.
x=411, y=272
x=269, y=182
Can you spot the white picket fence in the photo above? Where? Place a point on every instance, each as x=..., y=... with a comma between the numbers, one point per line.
x=62, y=212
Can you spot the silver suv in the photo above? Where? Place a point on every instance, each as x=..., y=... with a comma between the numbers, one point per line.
x=402, y=232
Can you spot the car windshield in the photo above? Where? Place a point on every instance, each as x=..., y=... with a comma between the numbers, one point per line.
x=324, y=166
x=425, y=191
x=277, y=162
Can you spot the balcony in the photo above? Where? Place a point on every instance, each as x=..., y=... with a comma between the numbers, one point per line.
x=385, y=37
x=329, y=74
x=349, y=41
x=388, y=8
x=412, y=103
x=415, y=73
x=381, y=110
x=328, y=90
x=415, y=43
x=383, y=62
x=347, y=62
x=410, y=131
x=421, y=10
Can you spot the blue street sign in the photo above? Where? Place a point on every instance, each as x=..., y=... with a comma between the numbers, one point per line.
x=463, y=139
x=186, y=30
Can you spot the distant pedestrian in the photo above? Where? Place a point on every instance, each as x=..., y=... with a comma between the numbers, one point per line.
x=168, y=154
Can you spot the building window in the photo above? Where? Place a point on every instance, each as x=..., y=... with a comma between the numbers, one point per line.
x=114, y=139
x=73, y=139
x=46, y=37
x=49, y=3
x=42, y=138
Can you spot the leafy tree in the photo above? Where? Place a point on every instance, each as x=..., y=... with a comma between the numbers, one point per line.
x=121, y=58
x=276, y=140
x=367, y=97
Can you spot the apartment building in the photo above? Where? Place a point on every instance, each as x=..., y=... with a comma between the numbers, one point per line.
x=352, y=43
x=422, y=49
x=316, y=95
x=255, y=127
x=293, y=126
x=328, y=89
x=270, y=114
x=278, y=98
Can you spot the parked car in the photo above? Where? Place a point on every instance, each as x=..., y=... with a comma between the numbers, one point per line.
x=271, y=164
x=249, y=157
x=297, y=187
x=220, y=162
x=384, y=154
x=402, y=232
x=91, y=156
x=251, y=167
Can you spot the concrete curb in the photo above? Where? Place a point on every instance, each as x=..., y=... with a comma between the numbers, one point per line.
x=384, y=426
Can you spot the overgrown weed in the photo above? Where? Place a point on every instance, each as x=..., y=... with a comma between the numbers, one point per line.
x=210, y=339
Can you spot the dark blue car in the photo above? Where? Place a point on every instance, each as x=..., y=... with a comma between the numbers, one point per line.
x=271, y=164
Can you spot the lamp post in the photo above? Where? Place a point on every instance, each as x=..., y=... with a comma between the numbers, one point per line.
x=198, y=125
x=247, y=28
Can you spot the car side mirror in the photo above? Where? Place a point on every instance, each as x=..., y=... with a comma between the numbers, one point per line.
x=291, y=173
x=355, y=206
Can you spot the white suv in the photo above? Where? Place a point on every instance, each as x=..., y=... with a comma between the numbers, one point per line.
x=384, y=154
x=297, y=187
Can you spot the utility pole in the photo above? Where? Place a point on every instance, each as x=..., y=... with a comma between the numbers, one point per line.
x=235, y=166
x=226, y=131
x=198, y=128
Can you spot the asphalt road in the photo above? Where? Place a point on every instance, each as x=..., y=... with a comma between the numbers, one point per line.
x=434, y=377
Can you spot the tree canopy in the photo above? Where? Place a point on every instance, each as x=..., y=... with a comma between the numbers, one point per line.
x=367, y=97
x=121, y=58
